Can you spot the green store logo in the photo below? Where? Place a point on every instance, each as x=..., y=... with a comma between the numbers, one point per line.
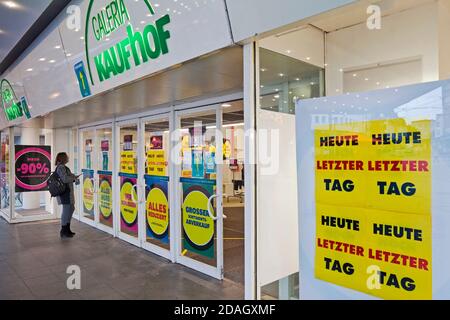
x=134, y=49
x=12, y=106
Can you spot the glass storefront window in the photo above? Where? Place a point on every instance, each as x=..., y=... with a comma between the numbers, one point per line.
x=285, y=79
x=29, y=203
x=4, y=171
x=330, y=57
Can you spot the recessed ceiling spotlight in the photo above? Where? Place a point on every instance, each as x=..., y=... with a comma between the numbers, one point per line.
x=226, y=105
x=11, y=4
x=30, y=69
x=42, y=59
x=57, y=47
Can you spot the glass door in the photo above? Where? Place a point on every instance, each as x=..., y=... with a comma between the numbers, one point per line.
x=5, y=173
x=128, y=194
x=88, y=185
x=199, y=190
x=104, y=178
x=157, y=223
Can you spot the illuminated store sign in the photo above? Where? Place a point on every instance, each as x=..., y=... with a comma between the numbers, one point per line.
x=13, y=107
x=134, y=48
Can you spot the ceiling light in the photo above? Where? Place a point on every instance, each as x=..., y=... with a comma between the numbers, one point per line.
x=355, y=75
x=288, y=51
x=42, y=59
x=263, y=69
x=30, y=69
x=297, y=79
x=226, y=105
x=277, y=96
x=308, y=58
x=57, y=47
x=233, y=125
x=69, y=54
x=52, y=61
x=11, y=4
x=281, y=74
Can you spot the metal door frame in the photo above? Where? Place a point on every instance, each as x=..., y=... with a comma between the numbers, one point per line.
x=218, y=271
x=168, y=254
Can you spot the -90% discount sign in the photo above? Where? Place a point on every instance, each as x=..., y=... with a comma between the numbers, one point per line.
x=32, y=167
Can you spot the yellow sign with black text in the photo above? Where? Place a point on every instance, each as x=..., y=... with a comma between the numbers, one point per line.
x=128, y=162
x=373, y=207
x=156, y=163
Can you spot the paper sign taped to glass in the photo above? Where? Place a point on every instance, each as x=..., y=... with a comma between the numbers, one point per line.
x=372, y=194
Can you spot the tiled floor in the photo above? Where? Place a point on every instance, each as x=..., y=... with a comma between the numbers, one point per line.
x=34, y=260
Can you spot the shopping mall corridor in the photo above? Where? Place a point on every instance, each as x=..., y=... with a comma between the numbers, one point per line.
x=34, y=260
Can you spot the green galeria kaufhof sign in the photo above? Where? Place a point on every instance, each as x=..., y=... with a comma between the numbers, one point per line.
x=13, y=107
x=110, y=24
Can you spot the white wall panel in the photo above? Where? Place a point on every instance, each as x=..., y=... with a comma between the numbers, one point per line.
x=252, y=17
x=277, y=198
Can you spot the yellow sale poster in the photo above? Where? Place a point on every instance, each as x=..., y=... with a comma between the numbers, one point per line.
x=373, y=207
x=128, y=162
x=156, y=163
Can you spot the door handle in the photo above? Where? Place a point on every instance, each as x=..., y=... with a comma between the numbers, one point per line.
x=93, y=185
x=132, y=193
x=209, y=208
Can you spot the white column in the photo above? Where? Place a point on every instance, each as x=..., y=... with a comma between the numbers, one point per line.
x=48, y=200
x=251, y=90
x=30, y=136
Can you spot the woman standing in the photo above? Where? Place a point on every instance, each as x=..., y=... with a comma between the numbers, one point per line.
x=67, y=199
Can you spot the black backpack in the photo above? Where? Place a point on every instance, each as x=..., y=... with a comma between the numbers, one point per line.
x=56, y=186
